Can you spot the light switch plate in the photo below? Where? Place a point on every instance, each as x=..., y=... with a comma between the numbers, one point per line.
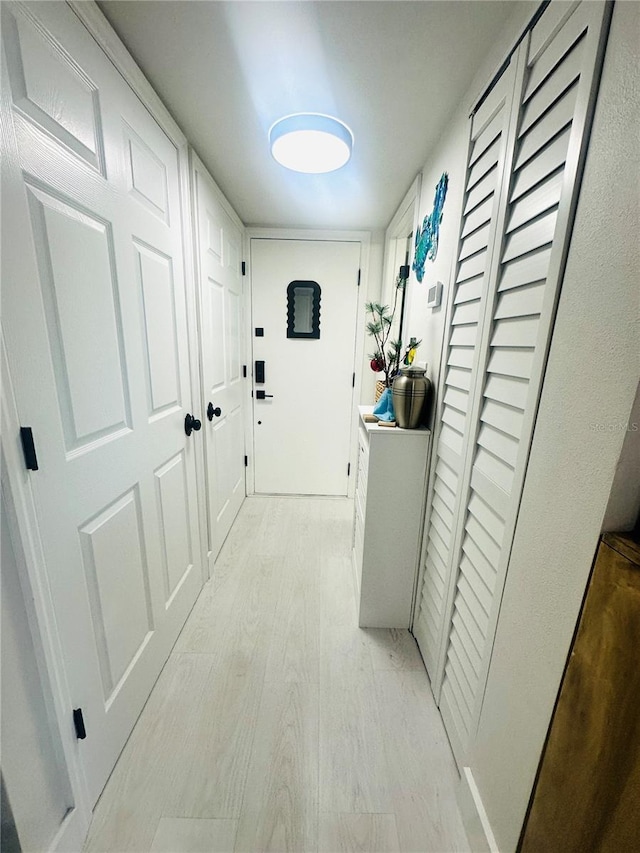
x=434, y=295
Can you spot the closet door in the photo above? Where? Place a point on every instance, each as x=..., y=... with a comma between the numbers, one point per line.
x=554, y=96
x=94, y=321
x=482, y=213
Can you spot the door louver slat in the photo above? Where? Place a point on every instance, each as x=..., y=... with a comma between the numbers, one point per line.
x=486, y=153
x=527, y=140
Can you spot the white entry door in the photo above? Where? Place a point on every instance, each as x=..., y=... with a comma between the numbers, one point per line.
x=94, y=323
x=220, y=274
x=302, y=410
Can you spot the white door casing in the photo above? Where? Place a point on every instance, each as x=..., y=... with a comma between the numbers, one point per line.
x=218, y=253
x=95, y=326
x=303, y=434
x=497, y=340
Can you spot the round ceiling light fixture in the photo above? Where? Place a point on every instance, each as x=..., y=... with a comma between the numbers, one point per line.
x=310, y=142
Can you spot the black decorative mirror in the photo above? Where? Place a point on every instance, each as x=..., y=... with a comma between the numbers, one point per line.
x=303, y=310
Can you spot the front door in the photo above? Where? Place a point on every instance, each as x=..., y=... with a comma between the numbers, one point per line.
x=219, y=265
x=94, y=323
x=304, y=307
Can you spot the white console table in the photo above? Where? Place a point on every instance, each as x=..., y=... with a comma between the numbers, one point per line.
x=388, y=515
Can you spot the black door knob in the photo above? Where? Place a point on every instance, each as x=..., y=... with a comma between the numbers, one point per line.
x=211, y=411
x=191, y=423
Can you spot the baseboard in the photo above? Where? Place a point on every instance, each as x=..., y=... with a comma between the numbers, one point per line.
x=72, y=832
x=474, y=816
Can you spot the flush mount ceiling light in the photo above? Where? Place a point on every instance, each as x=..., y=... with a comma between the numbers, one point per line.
x=310, y=142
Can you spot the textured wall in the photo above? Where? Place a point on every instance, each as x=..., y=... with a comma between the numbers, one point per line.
x=589, y=386
x=450, y=155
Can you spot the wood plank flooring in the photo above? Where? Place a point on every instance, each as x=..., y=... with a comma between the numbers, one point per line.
x=279, y=725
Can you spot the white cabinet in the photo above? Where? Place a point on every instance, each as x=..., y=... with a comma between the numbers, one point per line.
x=388, y=514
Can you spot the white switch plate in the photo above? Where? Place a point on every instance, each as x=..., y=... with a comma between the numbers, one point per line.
x=434, y=295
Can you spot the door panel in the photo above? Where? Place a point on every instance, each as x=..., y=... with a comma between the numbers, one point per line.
x=94, y=321
x=219, y=260
x=302, y=434
x=84, y=325
x=117, y=574
x=547, y=116
x=489, y=134
x=155, y=280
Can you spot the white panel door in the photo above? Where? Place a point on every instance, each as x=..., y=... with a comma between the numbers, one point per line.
x=554, y=92
x=302, y=432
x=220, y=275
x=94, y=322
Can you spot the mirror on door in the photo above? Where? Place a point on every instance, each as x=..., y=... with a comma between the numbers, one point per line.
x=303, y=310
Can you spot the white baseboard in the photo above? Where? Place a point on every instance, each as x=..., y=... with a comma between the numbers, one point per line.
x=474, y=816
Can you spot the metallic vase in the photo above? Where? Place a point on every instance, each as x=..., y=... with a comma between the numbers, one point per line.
x=410, y=395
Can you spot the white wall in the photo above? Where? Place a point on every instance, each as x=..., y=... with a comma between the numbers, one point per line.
x=623, y=509
x=450, y=155
x=421, y=322
x=590, y=384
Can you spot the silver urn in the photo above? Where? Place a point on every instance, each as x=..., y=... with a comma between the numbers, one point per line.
x=411, y=391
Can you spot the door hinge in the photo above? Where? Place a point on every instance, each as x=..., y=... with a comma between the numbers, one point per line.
x=246, y=461
x=78, y=722
x=244, y=268
x=404, y=272
x=359, y=274
x=349, y=469
x=28, y=448
x=353, y=380
x=244, y=371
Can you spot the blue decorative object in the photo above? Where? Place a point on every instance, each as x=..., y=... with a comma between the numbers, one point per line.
x=383, y=409
x=427, y=237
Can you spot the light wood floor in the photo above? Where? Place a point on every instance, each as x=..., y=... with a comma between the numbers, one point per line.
x=277, y=724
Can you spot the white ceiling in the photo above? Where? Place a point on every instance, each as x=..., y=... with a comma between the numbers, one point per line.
x=392, y=70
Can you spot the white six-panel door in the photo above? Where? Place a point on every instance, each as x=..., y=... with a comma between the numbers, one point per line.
x=94, y=323
x=219, y=258
x=528, y=140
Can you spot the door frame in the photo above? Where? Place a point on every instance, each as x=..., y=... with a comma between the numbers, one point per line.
x=22, y=515
x=404, y=221
x=319, y=236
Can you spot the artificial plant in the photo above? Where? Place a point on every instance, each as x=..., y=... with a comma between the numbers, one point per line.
x=386, y=358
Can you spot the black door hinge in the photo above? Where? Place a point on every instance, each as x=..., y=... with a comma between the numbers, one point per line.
x=244, y=268
x=246, y=461
x=78, y=722
x=353, y=380
x=28, y=448
x=404, y=272
x=359, y=274
x=244, y=371
x=349, y=469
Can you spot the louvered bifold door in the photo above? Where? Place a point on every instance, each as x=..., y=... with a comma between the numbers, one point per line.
x=561, y=58
x=484, y=190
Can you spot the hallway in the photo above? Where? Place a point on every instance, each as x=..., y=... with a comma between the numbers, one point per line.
x=277, y=724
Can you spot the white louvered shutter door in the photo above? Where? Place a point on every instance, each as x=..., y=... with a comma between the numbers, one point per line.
x=560, y=59
x=485, y=172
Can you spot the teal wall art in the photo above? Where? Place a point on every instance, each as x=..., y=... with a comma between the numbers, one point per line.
x=427, y=236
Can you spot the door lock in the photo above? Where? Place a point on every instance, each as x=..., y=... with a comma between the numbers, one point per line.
x=191, y=423
x=211, y=411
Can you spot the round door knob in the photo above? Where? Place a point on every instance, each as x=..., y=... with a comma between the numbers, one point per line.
x=211, y=412
x=191, y=423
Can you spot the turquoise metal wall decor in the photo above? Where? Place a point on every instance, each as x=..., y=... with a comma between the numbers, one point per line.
x=427, y=236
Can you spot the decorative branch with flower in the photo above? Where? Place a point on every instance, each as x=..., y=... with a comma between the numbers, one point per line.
x=386, y=358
